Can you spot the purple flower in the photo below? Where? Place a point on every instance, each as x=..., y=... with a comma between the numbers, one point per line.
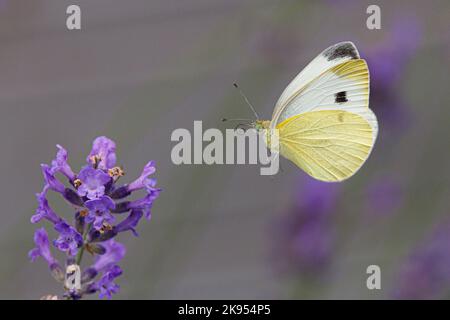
x=426, y=272
x=384, y=196
x=145, y=204
x=130, y=222
x=60, y=164
x=99, y=211
x=42, y=248
x=50, y=179
x=307, y=236
x=69, y=239
x=92, y=182
x=317, y=198
x=388, y=61
x=43, y=210
x=389, y=57
x=106, y=284
x=92, y=194
x=103, y=153
x=115, y=252
x=143, y=179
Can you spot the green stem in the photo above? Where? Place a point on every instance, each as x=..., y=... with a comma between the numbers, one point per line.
x=80, y=255
x=81, y=251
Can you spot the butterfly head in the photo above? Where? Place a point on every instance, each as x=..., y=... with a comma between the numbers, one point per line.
x=261, y=124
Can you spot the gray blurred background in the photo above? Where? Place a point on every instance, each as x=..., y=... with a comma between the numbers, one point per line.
x=140, y=69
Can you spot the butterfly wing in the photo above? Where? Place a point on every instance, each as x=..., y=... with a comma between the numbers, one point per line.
x=329, y=145
x=342, y=87
x=330, y=57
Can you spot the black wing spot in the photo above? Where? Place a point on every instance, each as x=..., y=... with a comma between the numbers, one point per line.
x=340, y=97
x=341, y=51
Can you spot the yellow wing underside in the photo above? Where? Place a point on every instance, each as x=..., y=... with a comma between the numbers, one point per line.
x=329, y=145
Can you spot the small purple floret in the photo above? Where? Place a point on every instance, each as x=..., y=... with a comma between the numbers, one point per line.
x=115, y=252
x=50, y=179
x=92, y=182
x=106, y=284
x=140, y=182
x=69, y=239
x=105, y=150
x=100, y=211
x=42, y=248
x=60, y=164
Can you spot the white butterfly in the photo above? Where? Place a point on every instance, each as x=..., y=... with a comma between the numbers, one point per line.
x=323, y=118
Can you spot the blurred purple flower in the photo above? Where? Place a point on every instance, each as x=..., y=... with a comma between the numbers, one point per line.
x=388, y=60
x=92, y=193
x=115, y=252
x=307, y=234
x=426, y=272
x=106, y=284
x=384, y=196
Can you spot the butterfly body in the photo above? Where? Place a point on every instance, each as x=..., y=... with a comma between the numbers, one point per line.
x=322, y=118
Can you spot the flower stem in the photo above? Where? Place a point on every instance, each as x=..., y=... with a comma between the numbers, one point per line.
x=81, y=251
x=80, y=255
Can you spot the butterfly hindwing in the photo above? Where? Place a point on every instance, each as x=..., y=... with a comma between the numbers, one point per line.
x=329, y=145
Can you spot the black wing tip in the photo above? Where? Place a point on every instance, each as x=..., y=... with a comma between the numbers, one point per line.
x=341, y=50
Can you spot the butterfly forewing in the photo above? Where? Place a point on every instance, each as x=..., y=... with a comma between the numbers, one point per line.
x=330, y=57
x=342, y=87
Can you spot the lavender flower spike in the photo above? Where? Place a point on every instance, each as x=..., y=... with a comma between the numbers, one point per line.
x=92, y=195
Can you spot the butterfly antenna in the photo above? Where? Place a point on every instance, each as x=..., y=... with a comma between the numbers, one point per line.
x=235, y=119
x=246, y=100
